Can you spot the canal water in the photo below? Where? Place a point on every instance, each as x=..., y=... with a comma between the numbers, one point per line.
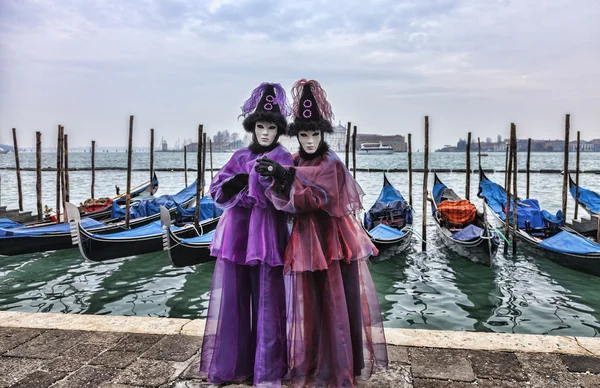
x=427, y=290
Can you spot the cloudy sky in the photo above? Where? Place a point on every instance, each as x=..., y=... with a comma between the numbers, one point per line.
x=470, y=65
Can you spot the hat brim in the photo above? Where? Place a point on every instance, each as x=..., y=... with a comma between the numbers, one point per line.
x=275, y=118
x=318, y=125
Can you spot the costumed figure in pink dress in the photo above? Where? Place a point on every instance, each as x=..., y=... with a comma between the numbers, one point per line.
x=245, y=334
x=335, y=328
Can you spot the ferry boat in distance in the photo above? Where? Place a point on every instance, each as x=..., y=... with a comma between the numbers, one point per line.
x=375, y=149
x=3, y=151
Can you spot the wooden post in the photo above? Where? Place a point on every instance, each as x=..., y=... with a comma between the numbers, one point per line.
x=18, y=168
x=410, y=169
x=468, y=188
x=354, y=153
x=211, y=163
x=58, y=173
x=479, y=155
x=198, y=178
x=566, y=167
x=598, y=229
x=577, y=176
x=348, y=144
x=93, y=166
x=513, y=137
x=38, y=174
x=129, y=152
x=425, y=177
x=506, y=165
x=66, y=168
x=185, y=165
x=507, y=189
x=151, y=159
x=528, y=165
x=203, y=162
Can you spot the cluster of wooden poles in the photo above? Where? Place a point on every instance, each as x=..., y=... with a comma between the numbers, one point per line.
x=62, y=168
x=510, y=181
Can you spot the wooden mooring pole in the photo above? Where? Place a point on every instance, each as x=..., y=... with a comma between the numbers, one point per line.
x=468, y=186
x=151, y=160
x=93, y=167
x=410, y=201
x=354, y=152
x=566, y=166
x=478, y=156
x=577, y=176
x=62, y=172
x=38, y=174
x=185, y=165
x=129, y=155
x=66, y=170
x=425, y=177
x=203, y=163
x=58, y=173
x=513, y=148
x=507, y=176
x=198, y=178
x=528, y=167
x=18, y=169
x=348, y=144
x=211, y=161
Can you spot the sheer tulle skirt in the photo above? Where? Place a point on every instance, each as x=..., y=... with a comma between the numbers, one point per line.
x=245, y=327
x=335, y=328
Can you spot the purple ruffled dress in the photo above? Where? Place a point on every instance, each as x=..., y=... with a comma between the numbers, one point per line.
x=245, y=332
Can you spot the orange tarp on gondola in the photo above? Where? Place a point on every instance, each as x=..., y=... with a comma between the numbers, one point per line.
x=458, y=212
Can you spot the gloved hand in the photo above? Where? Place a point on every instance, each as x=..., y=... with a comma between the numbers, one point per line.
x=269, y=167
x=235, y=185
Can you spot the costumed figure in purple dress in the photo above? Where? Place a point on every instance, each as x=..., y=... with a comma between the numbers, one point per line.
x=245, y=334
x=335, y=328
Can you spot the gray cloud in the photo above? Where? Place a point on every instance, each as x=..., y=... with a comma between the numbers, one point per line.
x=470, y=65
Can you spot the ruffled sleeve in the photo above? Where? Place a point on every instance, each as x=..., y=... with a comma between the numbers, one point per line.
x=236, y=165
x=326, y=186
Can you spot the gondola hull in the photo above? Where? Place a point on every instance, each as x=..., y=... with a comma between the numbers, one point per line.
x=391, y=247
x=98, y=248
x=480, y=251
x=182, y=254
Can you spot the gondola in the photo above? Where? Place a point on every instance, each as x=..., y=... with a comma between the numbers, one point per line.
x=542, y=232
x=462, y=228
x=23, y=239
x=144, y=190
x=184, y=252
x=145, y=239
x=588, y=199
x=389, y=221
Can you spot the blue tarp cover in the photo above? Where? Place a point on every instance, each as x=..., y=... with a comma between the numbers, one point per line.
x=151, y=206
x=86, y=223
x=389, y=200
x=437, y=191
x=566, y=242
x=590, y=199
x=152, y=229
x=7, y=223
x=205, y=238
x=470, y=232
x=384, y=232
x=528, y=210
x=207, y=209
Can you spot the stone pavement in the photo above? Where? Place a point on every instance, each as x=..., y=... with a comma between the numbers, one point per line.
x=48, y=356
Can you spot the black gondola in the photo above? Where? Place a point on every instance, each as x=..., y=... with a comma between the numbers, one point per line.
x=145, y=239
x=184, y=252
x=541, y=232
x=144, y=190
x=471, y=236
x=50, y=237
x=389, y=221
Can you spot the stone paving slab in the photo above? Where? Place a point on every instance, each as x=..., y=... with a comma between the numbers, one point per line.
x=74, y=359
